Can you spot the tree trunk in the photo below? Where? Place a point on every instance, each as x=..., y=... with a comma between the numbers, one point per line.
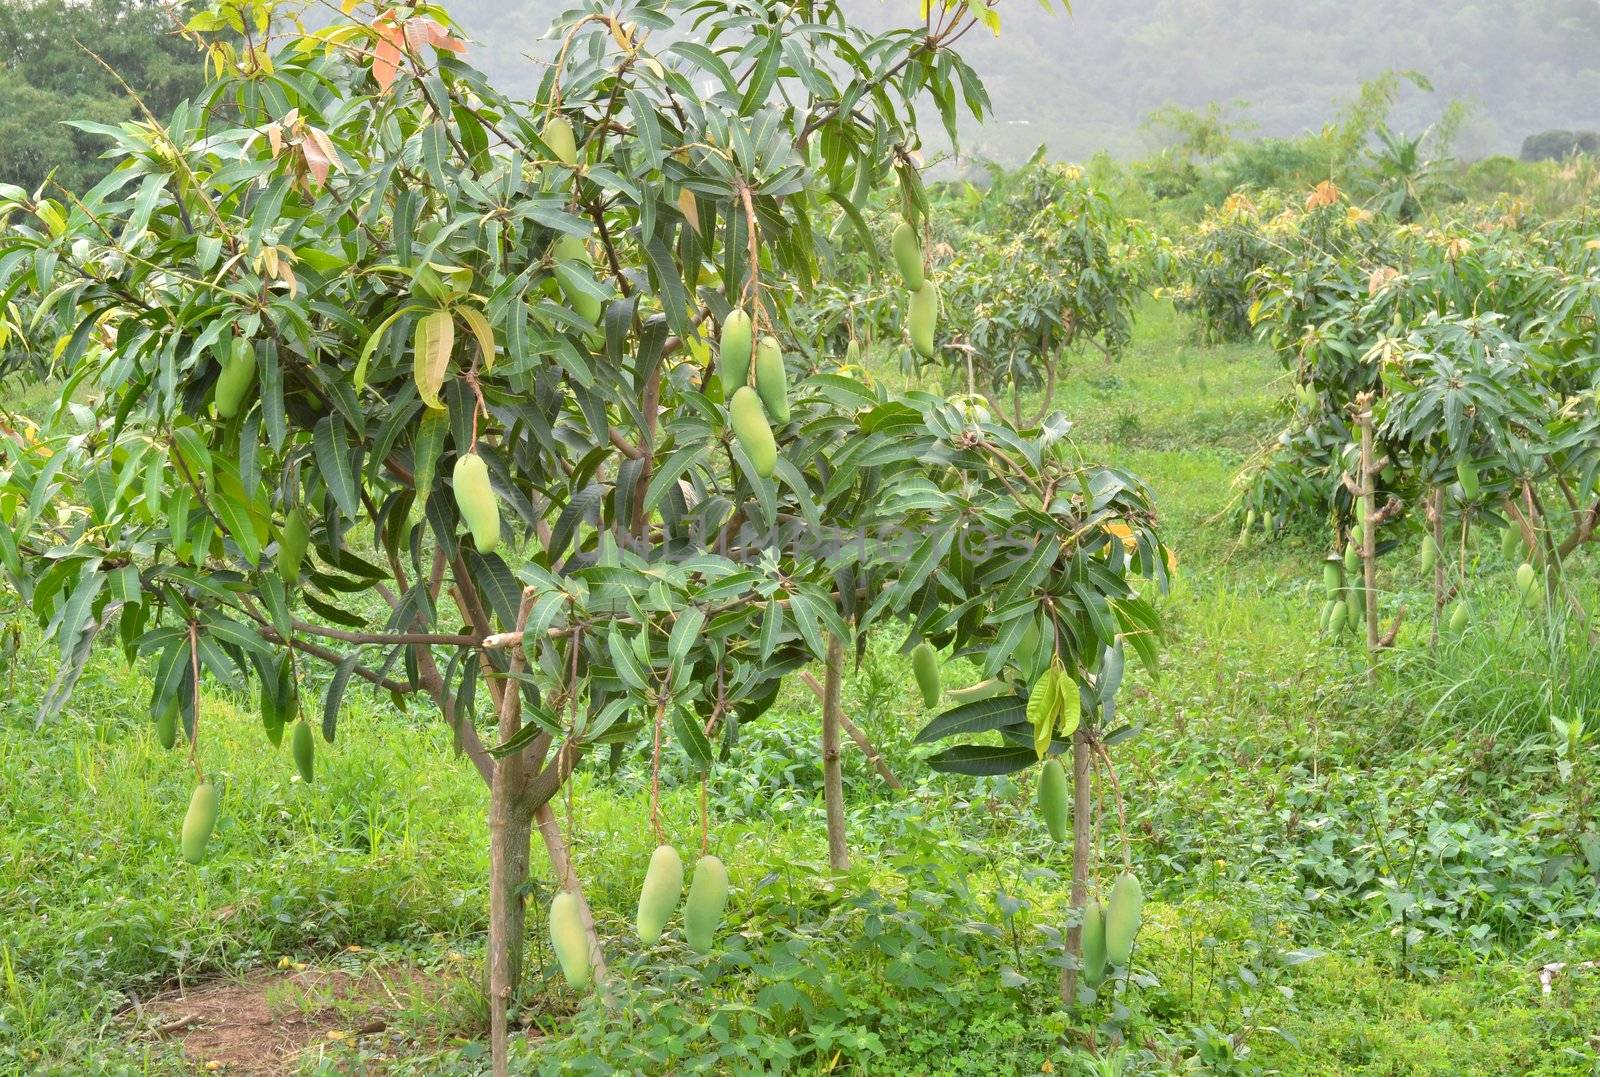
x=509, y=833
x=1369, y=557
x=1082, y=829
x=857, y=734
x=832, y=764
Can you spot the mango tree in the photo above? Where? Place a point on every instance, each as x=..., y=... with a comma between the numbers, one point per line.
x=1036, y=576
x=393, y=375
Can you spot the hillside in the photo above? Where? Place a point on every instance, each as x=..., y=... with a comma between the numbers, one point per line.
x=1084, y=83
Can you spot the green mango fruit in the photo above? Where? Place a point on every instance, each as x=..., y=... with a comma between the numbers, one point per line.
x=1528, y=584
x=199, y=821
x=1430, y=553
x=1325, y=617
x=574, y=273
x=237, y=377
x=733, y=354
x=908, y=255
x=558, y=135
x=570, y=941
x=772, y=380
x=1053, y=799
x=292, y=542
x=1352, y=558
x=923, y=318
x=1467, y=476
x=304, y=749
x=1092, y=943
x=663, y=886
x=1332, y=577
x=1459, y=617
x=1339, y=617
x=476, y=501
x=925, y=664
x=1124, y=911
x=1355, y=600
x=1510, y=542
x=167, y=725
x=708, y=899
x=852, y=354
x=750, y=426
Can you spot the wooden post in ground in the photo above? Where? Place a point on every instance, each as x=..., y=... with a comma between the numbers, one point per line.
x=1082, y=832
x=832, y=764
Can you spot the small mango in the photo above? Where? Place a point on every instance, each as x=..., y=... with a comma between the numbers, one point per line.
x=237, y=377
x=734, y=351
x=1430, y=553
x=292, y=542
x=772, y=380
x=1528, y=584
x=707, y=901
x=1332, y=577
x=923, y=318
x=750, y=426
x=558, y=135
x=907, y=255
x=476, y=501
x=1053, y=799
x=199, y=821
x=1124, y=912
x=1092, y=943
x=570, y=941
x=925, y=664
x=663, y=886
x=167, y=725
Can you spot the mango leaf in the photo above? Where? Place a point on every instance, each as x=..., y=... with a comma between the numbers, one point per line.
x=431, y=345
x=481, y=331
x=979, y=716
x=980, y=760
x=1044, y=705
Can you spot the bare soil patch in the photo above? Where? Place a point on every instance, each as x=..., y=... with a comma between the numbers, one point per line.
x=260, y=1025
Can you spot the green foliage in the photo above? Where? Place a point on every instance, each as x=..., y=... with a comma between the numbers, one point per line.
x=1271, y=939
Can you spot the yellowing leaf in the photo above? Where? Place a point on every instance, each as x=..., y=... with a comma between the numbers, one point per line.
x=479, y=326
x=1043, y=706
x=435, y=337
x=689, y=208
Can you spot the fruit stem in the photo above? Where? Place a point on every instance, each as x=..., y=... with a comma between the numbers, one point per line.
x=655, y=772
x=194, y=672
x=1116, y=798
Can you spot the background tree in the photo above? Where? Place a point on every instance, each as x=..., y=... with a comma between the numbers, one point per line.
x=51, y=74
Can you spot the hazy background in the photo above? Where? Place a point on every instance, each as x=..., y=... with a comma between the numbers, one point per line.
x=1077, y=84
x=1084, y=82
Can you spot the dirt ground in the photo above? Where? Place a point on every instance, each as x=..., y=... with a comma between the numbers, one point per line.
x=262, y=1023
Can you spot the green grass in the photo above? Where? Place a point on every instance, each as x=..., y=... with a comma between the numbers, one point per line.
x=1343, y=876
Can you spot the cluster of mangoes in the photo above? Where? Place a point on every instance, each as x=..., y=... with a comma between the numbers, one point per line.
x=658, y=898
x=922, y=314
x=756, y=386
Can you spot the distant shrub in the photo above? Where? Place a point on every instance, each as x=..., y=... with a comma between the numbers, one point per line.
x=1557, y=145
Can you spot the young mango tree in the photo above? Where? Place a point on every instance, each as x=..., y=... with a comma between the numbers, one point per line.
x=1043, y=262
x=1036, y=576
x=395, y=377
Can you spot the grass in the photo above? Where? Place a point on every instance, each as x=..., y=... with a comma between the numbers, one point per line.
x=1343, y=876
